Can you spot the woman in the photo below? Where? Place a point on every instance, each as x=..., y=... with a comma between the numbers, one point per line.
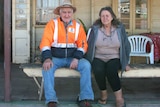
x=108, y=52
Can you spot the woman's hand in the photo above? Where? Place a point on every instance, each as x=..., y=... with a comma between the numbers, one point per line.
x=128, y=68
x=47, y=64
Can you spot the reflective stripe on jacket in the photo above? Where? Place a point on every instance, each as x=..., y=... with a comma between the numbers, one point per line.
x=64, y=42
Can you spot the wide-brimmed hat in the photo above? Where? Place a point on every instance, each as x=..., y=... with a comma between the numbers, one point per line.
x=65, y=3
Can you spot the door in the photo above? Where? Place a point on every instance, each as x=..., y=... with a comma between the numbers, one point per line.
x=134, y=14
x=20, y=31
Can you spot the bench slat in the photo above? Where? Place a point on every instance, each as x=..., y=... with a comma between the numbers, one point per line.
x=62, y=72
x=37, y=72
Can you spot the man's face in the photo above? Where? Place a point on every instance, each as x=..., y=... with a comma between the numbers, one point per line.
x=66, y=14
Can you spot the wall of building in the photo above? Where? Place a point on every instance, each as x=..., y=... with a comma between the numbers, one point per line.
x=83, y=11
x=155, y=16
x=88, y=10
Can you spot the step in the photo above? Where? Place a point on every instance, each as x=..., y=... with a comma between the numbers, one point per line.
x=73, y=104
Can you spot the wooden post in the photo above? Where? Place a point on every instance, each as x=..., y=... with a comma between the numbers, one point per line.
x=7, y=48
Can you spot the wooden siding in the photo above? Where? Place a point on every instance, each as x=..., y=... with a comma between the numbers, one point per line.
x=83, y=11
x=155, y=16
x=98, y=4
x=88, y=10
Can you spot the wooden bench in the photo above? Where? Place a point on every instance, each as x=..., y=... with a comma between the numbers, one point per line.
x=137, y=71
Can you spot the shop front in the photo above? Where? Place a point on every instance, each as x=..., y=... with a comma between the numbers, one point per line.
x=29, y=18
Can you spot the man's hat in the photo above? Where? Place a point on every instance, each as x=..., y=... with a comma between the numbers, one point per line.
x=66, y=3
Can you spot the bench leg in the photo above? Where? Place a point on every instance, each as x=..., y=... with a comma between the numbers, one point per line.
x=40, y=87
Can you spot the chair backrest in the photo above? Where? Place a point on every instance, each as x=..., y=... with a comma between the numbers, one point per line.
x=139, y=43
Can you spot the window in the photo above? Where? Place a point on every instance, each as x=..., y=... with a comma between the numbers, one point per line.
x=44, y=10
x=124, y=12
x=134, y=14
x=141, y=14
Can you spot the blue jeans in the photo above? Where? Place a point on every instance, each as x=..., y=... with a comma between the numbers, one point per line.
x=84, y=68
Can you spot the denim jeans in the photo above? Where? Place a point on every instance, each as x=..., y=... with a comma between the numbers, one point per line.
x=84, y=68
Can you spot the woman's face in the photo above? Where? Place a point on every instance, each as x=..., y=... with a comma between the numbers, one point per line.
x=106, y=17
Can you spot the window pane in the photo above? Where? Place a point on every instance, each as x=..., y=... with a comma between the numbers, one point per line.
x=53, y=3
x=39, y=4
x=21, y=24
x=21, y=13
x=44, y=10
x=124, y=12
x=141, y=14
x=21, y=1
x=45, y=3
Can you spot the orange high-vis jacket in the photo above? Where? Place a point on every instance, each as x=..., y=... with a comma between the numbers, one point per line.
x=56, y=36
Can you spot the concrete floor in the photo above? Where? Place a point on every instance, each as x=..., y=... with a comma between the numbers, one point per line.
x=138, y=92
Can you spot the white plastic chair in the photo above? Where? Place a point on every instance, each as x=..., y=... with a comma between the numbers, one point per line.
x=138, y=47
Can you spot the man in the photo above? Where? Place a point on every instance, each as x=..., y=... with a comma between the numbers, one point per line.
x=63, y=45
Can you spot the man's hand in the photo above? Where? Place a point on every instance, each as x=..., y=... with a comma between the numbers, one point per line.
x=47, y=64
x=74, y=63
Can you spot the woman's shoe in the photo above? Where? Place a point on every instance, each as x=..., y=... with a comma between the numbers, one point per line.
x=102, y=101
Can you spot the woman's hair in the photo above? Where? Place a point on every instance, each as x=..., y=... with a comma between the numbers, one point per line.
x=115, y=22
